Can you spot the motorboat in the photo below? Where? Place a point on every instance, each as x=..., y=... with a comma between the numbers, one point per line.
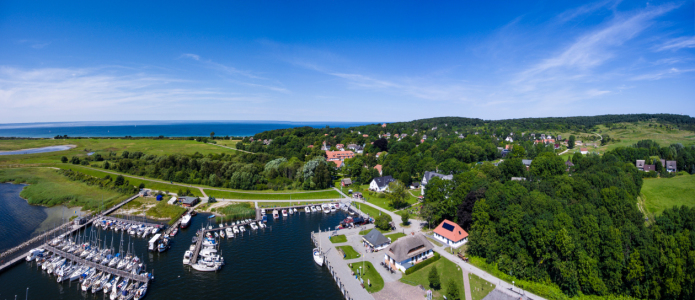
x=34, y=253
x=235, y=229
x=265, y=218
x=229, y=232
x=294, y=209
x=253, y=226
x=187, y=257
x=205, y=266
x=242, y=228
x=307, y=209
x=275, y=214
x=173, y=233
x=261, y=225
x=291, y=211
x=163, y=245
x=185, y=221
x=313, y=209
x=332, y=206
x=284, y=213
x=325, y=207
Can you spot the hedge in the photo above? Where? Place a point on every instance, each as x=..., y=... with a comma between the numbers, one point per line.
x=423, y=264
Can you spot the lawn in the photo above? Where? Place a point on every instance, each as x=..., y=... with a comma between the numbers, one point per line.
x=47, y=187
x=447, y=271
x=369, y=276
x=338, y=239
x=662, y=193
x=133, y=181
x=365, y=208
x=165, y=211
x=327, y=194
x=479, y=287
x=103, y=146
x=395, y=236
x=364, y=232
x=285, y=204
x=349, y=252
x=433, y=241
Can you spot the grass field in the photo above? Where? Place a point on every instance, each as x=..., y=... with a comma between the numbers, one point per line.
x=228, y=143
x=328, y=194
x=370, y=276
x=364, y=232
x=103, y=146
x=447, y=271
x=47, y=187
x=350, y=253
x=662, y=193
x=479, y=287
x=338, y=239
x=133, y=181
x=365, y=208
x=284, y=204
x=164, y=210
x=395, y=236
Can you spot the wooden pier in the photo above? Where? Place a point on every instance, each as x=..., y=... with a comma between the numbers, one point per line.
x=91, y=264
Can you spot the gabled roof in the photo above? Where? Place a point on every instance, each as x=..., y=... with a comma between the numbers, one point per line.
x=378, y=168
x=383, y=182
x=451, y=231
x=346, y=180
x=375, y=238
x=671, y=164
x=527, y=162
x=639, y=163
x=429, y=175
x=648, y=168
x=409, y=246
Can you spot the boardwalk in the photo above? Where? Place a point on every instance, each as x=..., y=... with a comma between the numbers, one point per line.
x=97, y=266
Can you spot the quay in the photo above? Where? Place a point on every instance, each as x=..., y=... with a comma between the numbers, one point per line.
x=298, y=206
x=199, y=242
x=340, y=271
x=97, y=266
x=132, y=222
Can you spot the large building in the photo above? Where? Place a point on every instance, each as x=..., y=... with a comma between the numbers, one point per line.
x=450, y=234
x=408, y=251
x=339, y=155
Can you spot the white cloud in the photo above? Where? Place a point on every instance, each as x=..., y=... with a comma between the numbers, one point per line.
x=661, y=74
x=677, y=43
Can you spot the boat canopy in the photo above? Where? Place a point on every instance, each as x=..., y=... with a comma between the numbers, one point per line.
x=155, y=238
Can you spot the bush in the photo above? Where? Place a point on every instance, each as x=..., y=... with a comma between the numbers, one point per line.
x=405, y=217
x=423, y=264
x=382, y=222
x=64, y=159
x=141, y=186
x=433, y=278
x=212, y=200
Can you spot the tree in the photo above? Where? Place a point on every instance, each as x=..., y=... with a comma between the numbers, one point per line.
x=397, y=194
x=141, y=186
x=107, y=165
x=212, y=200
x=382, y=144
x=240, y=145
x=570, y=142
x=518, y=152
x=547, y=165
x=119, y=180
x=212, y=135
x=64, y=159
x=405, y=217
x=382, y=222
x=452, y=291
x=433, y=278
x=75, y=160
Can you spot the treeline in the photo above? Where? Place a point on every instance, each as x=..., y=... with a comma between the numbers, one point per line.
x=583, y=233
x=651, y=151
x=237, y=171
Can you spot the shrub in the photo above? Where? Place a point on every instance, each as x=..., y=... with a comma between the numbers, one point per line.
x=433, y=278
x=452, y=291
x=382, y=222
x=423, y=264
x=64, y=159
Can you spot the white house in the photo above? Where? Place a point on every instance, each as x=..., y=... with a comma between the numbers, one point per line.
x=380, y=184
x=428, y=176
x=408, y=251
x=375, y=240
x=450, y=234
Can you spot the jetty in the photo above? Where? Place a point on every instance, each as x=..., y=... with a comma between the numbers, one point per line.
x=199, y=242
x=81, y=261
x=133, y=222
x=16, y=254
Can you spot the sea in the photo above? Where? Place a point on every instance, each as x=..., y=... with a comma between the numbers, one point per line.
x=271, y=263
x=156, y=128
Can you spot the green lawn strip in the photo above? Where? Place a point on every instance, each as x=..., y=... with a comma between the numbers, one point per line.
x=479, y=287
x=338, y=239
x=48, y=187
x=133, y=181
x=285, y=204
x=329, y=194
x=548, y=291
x=433, y=241
x=662, y=193
x=395, y=236
x=365, y=208
x=369, y=276
x=350, y=253
x=447, y=271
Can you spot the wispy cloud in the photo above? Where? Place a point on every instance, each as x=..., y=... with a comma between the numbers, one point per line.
x=661, y=74
x=677, y=43
x=228, y=70
x=34, y=43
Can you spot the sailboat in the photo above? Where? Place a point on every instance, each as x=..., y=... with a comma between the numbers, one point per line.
x=318, y=259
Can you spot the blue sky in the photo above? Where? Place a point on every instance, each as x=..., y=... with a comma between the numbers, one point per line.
x=343, y=61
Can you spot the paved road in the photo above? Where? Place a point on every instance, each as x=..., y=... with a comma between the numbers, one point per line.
x=396, y=218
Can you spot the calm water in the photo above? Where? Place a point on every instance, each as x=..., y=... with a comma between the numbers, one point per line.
x=36, y=150
x=173, y=129
x=274, y=263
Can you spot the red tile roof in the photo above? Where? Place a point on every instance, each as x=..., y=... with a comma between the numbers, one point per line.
x=339, y=155
x=378, y=168
x=455, y=235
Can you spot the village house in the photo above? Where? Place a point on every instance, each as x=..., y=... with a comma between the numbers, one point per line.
x=339, y=155
x=584, y=151
x=338, y=163
x=325, y=146
x=345, y=182
x=378, y=168
x=340, y=147
x=509, y=139
x=187, y=201
x=639, y=164
x=383, y=125
x=415, y=185
x=569, y=164
x=381, y=184
x=451, y=234
x=648, y=168
x=428, y=176
x=375, y=240
x=527, y=163
x=408, y=251
x=378, y=154
x=671, y=166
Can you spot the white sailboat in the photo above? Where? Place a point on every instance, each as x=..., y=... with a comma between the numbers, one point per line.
x=318, y=258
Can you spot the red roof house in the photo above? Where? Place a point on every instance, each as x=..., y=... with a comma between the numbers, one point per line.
x=450, y=234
